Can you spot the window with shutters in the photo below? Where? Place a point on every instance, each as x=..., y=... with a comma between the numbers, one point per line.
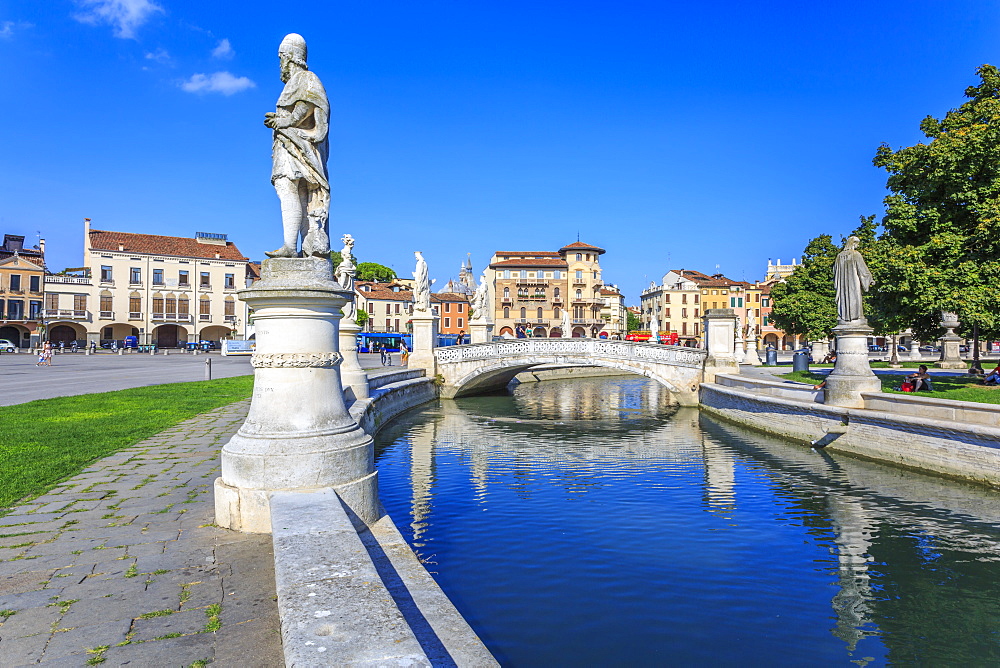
x=204, y=307
x=230, y=307
x=135, y=304
x=79, y=302
x=106, y=302
x=157, y=307
x=172, y=306
x=182, y=306
x=52, y=302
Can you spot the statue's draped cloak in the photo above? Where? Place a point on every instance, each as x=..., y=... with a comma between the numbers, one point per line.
x=301, y=152
x=851, y=278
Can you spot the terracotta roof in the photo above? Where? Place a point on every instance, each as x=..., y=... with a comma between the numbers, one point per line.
x=537, y=262
x=154, y=244
x=579, y=245
x=253, y=269
x=449, y=297
x=610, y=293
x=704, y=280
x=532, y=253
x=382, y=291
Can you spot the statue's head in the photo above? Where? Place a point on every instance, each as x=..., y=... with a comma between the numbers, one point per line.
x=292, y=52
x=852, y=243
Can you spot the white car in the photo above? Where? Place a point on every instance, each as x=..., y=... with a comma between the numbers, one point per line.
x=7, y=347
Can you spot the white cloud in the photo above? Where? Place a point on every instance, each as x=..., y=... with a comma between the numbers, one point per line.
x=160, y=56
x=125, y=15
x=219, y=82
x=224, y=50
x=8, y=28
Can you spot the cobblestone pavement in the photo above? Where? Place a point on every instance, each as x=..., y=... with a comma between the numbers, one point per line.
x=121, y=565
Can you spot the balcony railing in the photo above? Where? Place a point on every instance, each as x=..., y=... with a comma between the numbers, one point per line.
x=135, y=315
x=73, y=280
x=20, y=317
x=107, y=315
x=230, y=318
x=172, y=317
x=532, y=281
x=204, y=316
x=66, y=314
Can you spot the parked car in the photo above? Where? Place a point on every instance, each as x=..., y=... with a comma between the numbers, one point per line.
x=876, y=349
x=903, y=349
x=963, y=349
x=929, y=349
x=7, y=347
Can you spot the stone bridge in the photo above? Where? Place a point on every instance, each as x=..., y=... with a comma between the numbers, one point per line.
x=482, y=367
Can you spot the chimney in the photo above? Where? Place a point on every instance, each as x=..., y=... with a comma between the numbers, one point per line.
x=41, y=247
x=86, y=240
x=121, y=248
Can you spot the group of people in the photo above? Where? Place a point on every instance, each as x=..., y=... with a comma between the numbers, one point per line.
x=45, y=355
x=386, y=356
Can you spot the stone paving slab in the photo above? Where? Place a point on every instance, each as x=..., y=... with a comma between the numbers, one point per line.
x=123, y=563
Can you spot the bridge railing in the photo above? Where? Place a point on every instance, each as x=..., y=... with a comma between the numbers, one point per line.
x=621, y=350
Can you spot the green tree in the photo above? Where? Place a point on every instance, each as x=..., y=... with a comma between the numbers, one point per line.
x=362, y=316
x=632, y=322
x=941, y=246
x=372, y=271
x=805, y=303
x=336, y=258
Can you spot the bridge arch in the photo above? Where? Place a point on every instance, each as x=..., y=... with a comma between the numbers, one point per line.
x=478, y=368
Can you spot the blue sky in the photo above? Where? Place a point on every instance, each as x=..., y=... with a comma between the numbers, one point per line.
x=675, y=135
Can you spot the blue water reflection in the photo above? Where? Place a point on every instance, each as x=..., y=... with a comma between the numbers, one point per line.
x=588, y=522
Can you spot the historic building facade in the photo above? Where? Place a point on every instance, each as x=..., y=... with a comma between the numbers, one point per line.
x=163, y=290
x=534, y=288
x=452, y=309
x=388, y=305
x=22, y=272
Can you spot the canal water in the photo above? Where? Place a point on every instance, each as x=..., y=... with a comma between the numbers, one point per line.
x=587, y=522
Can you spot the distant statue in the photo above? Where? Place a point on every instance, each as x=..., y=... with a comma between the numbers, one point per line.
x=852, y=279
x=654, y=329
x=567, y=325
x=751, y=330
x=481, y=307
x=301, y=124
x=421, y=285
x=344, y=275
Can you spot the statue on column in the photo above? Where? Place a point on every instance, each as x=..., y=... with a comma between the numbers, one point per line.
x=480, y=307
x=301, y=124
x=421, y=285
x=852, y=279
x=344, y=274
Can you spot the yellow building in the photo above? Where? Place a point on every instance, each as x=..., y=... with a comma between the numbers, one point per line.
x=21, y=288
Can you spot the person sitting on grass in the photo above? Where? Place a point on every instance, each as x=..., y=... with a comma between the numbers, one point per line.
x=921, y=379
x=993, y=377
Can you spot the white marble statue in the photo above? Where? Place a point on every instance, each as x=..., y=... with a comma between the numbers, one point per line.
x=751, y=330
x=480, y=302
x=654, y=329
x=566, y=326
x=345, y=274
x=301, y=124
x=421, y=285
x=852, y=279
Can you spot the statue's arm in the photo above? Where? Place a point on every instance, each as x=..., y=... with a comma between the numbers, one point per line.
x=299, y=113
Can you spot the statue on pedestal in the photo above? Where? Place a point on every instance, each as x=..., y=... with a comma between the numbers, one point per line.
x=344, y=274
x=301, y=123
x=481, y=307
x=566, y=326
x=852, y=279
x=421, y=285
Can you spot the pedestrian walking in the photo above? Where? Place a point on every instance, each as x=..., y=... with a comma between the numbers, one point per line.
x=383, y=353
x=460, y=339
x=47, y=353
x=404, y=354
x=41, y=356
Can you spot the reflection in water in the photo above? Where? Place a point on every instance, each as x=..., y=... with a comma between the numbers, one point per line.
x=590, y=522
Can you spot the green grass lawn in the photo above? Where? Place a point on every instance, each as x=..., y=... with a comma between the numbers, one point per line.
x=958, y=388
x=44, y=442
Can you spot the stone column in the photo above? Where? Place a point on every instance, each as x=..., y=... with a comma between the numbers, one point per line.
x=851, y=374
x=720, y=332
x=752, y=357
x=353, y=377
x=425, y=333
x=950, y=357
x=481, y=331
x=298, y=434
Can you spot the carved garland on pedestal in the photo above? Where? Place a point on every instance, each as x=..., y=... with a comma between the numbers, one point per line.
x=295, y=360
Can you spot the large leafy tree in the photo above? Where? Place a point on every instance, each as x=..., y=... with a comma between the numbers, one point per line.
x=372, y=271
x=941, y=246
x=632, y=322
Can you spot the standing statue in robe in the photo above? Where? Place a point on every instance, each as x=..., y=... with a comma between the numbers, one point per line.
x=344, y=274
x=301, y=124
x=852, y=279
x=480, y=306
x=566, y=326
x=421, y=285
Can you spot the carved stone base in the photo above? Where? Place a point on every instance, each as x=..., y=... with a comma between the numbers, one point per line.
x=481, y=332
x=950, y=356
x=298, y=434
x=852, y=374
x=425, y=333
x=752, y=357
x=354, y=378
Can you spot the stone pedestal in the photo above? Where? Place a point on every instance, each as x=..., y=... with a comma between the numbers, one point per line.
x=950, y=356
x=353, y=377
x=298, y=434
x=481, y=332
x=851, y=374
x=739, y=352
x=720, y=333
x=752, y=357
x=425, y=334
